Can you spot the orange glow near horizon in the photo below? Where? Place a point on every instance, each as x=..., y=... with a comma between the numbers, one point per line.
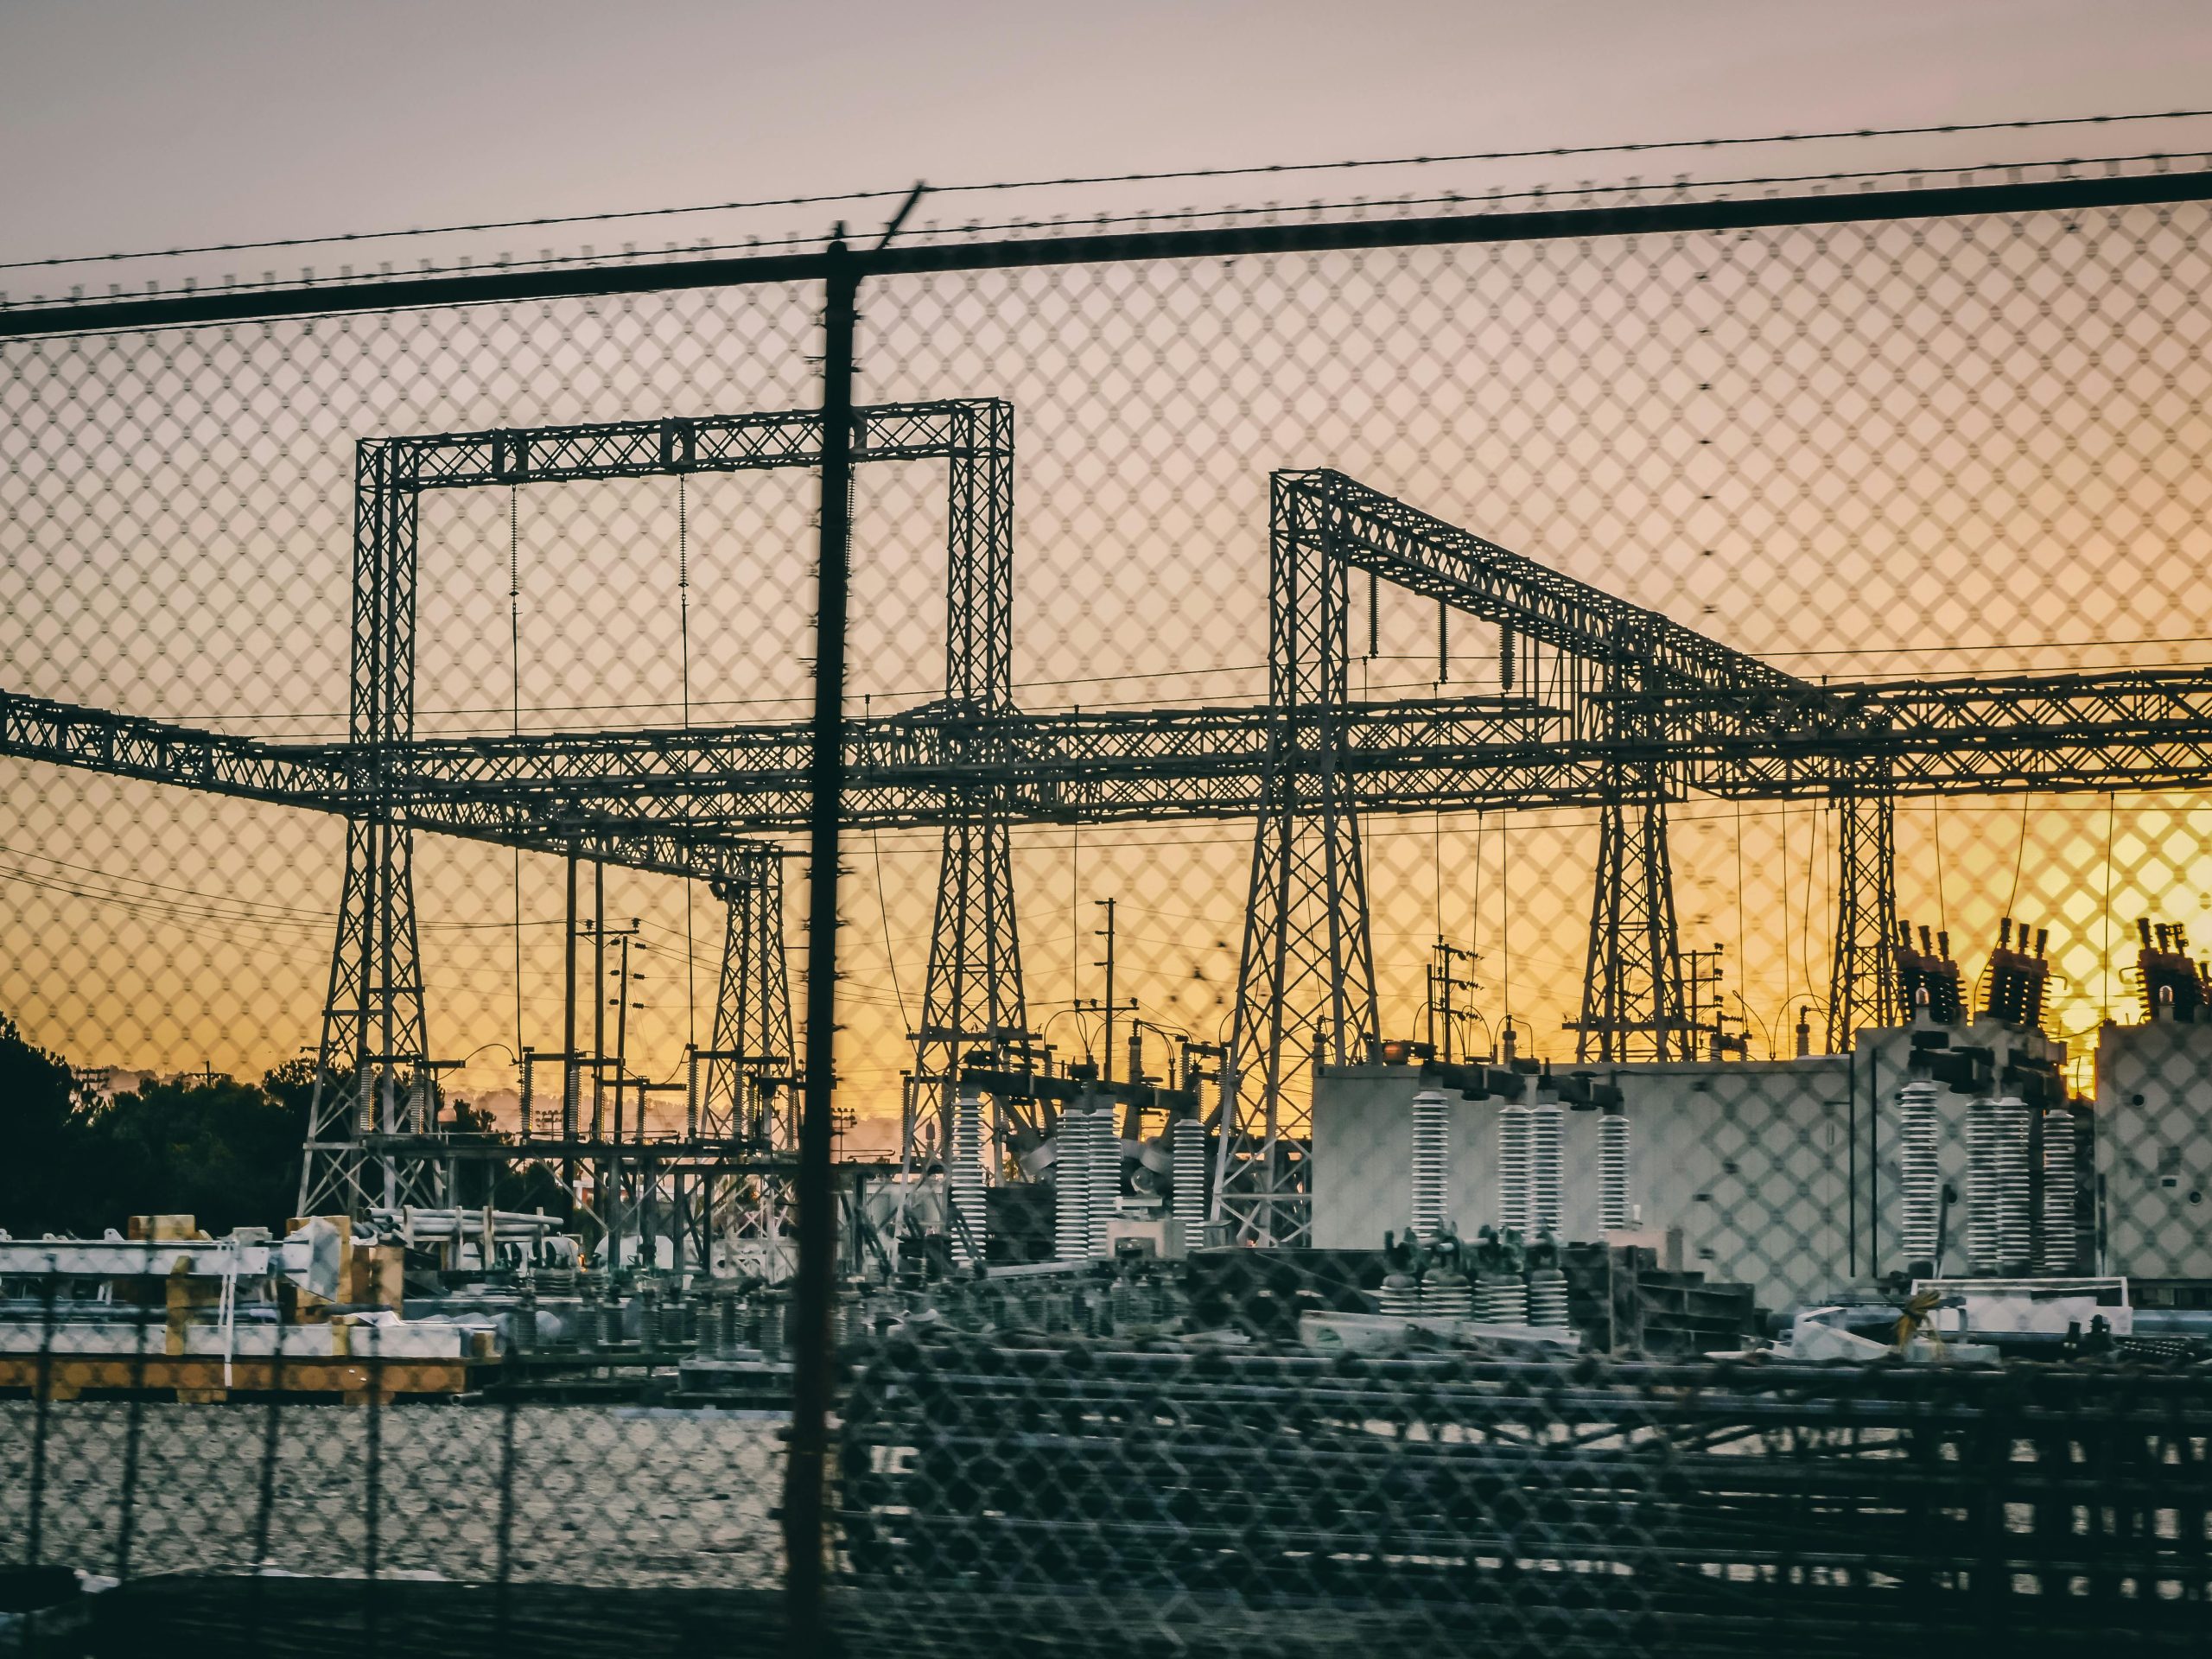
x=1851, y=450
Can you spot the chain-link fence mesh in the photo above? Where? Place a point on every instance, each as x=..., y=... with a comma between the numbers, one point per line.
x=1272, y=1210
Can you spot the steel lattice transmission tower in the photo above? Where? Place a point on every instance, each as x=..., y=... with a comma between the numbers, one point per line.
x=972, y=996
x=1633, y=1007
x=371, y=1065
x=1306, y=976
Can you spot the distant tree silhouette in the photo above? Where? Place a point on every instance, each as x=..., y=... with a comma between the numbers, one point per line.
x=43, y=1173
x=226, y=1152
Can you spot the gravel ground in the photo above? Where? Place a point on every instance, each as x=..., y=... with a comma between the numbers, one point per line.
x=599, y=1494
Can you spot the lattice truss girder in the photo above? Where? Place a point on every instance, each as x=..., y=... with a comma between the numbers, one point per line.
x=666, y=800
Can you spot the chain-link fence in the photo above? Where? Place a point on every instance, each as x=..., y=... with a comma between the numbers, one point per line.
x=1403, y=1068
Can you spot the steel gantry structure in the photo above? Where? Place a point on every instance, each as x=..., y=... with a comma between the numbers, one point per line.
x=1604, y=705
x=374, y=1015
x=1627, y=682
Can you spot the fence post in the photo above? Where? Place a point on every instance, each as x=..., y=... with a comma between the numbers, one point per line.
x=42, y=1411
x=126, y=1527
x=505, y=1531
x=264, y=1514
x=372, y=1532
x=806, y=1568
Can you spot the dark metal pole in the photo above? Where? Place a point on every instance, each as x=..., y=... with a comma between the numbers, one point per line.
x=568, y=1037
x=598, y=998
x=1106, y=1048
x=504, y=1534
x=42, y=1412
x=804, y=1542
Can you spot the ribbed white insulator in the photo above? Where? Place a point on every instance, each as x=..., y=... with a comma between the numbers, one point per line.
x=1546, y=1148
x=1999, y=1234
x=2055, y=1249
x=1501, y=1299
x=963, y=1180
x=1186, y=1160
x=1547, y=1297
x=1920, y=1176
x=2017, y=1216
x=1613, y=1144
x=1514, y=1172
x=1446, y=1295
x=1432, y=1163
x=1071, y=1186
x=1105, y=1178
x=1399, y=1297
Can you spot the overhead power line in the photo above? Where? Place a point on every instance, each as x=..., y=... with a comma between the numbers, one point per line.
x=1072, y=180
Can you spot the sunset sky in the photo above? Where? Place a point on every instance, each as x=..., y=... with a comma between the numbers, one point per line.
x=135, y=124
x=1858, y=452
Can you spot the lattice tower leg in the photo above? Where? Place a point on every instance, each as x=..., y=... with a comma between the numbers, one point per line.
x=1633, y=1007
x=752, y=1015
x=1305, y=978
x=371, y=1070
x=1863, y=989
x=747, y=1096
x=972, y=995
